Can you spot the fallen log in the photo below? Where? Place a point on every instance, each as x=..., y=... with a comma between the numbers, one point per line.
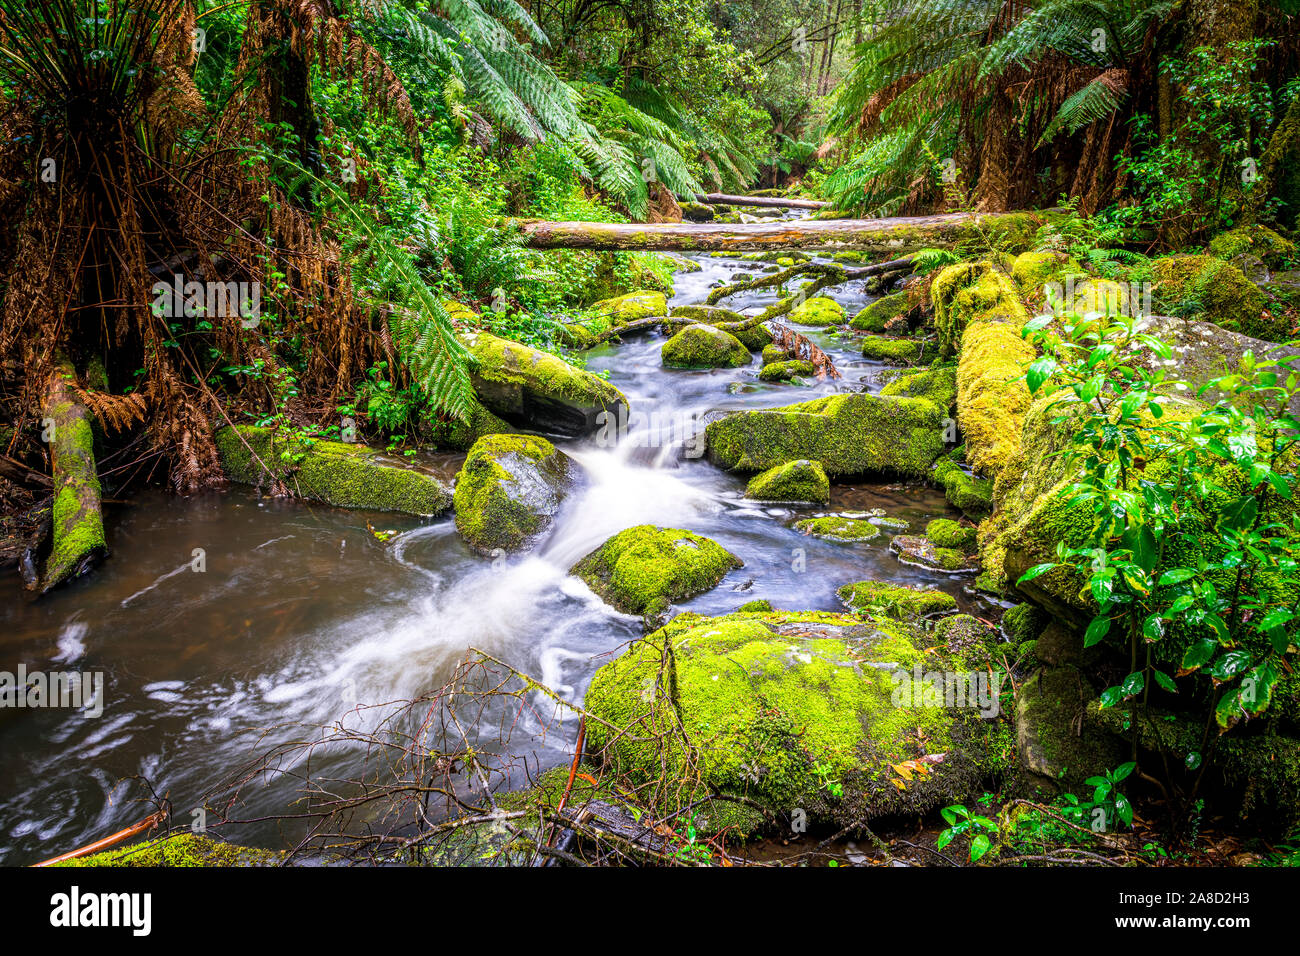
x=722, y=199
x=77, y=536
x=878, y=236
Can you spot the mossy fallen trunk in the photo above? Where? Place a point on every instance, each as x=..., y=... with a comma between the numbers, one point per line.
x=338, y=474
x=77, y=538
x=1014, y=231
x=723, y=199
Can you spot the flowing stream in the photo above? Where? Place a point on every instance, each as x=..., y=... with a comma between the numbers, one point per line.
x=300, y=610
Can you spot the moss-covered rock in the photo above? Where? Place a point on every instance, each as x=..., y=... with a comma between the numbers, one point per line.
x=1208, y=287
x=1259, y=241
x=792, y=710
x=1033, y=271
x=754, y=338
x=751, y=607
x=774, y=353
x=874, y=316
x=897, y=601
x=1050, y=707
x=509, y=491
x=946, y=533
x=974, y=496
x=922, y=552
x=1024, y=622
x=645, y=569
x=537, y=390
x=896, y=351
x=338, y=474
x=460, y=434
x=633, y=306
x=818, y=310
x=178, y=850
x=704, y=346
x=785, y=371
x=839, y=528
x=849, y=434
x=697, y=212
x=800, y=480
x=939, y=385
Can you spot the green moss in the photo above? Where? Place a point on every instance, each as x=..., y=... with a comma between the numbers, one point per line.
x=509, y=490
x=774, y=353
x=179, y=850
x=1050, y=707
x=1024, y=622
x=703, y=346
x=939, y=385
x=945, y=533
x=1209, y=288
x=632, y=306
x=338, y=474
x=972, y=495
x=790, y=710
x=800, y=480
x=1032, y=271
x=460, y=435
x=751, y=607
x=818, y=310
x=849, y=434
x=642, y=570
x=785, y=371
x=506, y=373
x=837, y=528
x=1259, y=241
x=874, y=316
x=896, y=600
x=922, y=552
x=880, y=348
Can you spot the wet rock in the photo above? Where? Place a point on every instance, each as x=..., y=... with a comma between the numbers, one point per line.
x=785, y=371
x=921, y=552
x=697, y=212
x=938, y=385
x=644, y=569
x=896, y=601
x=838, y=528
x=850, y=434
x=800, y=480
x=509, y=491
x=1053, y=741
x=946, y=533
x=874, y=316
x=338, y=474
x=633, y=306
x=790, y=709
x=972, y=495
x=818, y=310
x=704, y=346
x=539, y=391
x=896, y=351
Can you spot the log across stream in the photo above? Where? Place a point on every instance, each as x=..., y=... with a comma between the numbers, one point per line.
x=300, y=613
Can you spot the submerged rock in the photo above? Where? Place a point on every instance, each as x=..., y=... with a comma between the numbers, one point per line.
x=809, y=710
x=645, y=569
x=849, y=434
x=800, y=480
x=537, y=390
x=339, y=474
x=703, y=346
x=509, y=491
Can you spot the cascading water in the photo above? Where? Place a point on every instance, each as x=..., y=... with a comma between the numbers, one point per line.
x=301, y=613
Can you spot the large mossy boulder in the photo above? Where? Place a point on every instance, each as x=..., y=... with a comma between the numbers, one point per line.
x=539, y=391
x=336, y=473
x=800, y=480
x=818, y=310
x=644, y=569
x=633, y=306
x=792, y=710
x=754, y=337
x=704, y=346
x=509, y=491
x=850, y=434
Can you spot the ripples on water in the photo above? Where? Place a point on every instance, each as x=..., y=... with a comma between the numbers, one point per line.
x=301, y=611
